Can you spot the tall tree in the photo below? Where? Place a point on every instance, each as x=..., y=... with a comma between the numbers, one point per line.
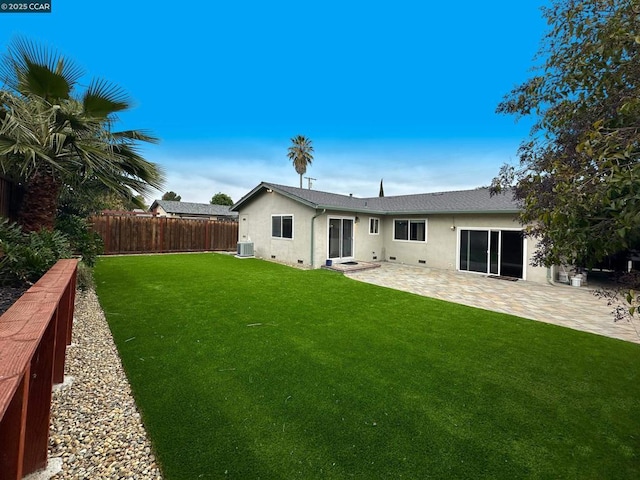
x=173, y=196
x=579, y=170
x=54, y=137
x=381, y=192
x=301, y=154
x=221, y=199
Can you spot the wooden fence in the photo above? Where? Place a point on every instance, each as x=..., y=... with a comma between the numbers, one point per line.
x=34, y=334
x=129, y=234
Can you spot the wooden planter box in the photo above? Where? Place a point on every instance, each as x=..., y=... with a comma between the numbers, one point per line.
x=34, y=334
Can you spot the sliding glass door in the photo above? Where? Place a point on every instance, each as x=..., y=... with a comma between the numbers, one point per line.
x=341, y=238
x=494, y=252
x=473, y=250
x=512, y=254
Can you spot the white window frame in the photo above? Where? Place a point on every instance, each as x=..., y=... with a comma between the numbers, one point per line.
x=374, y=221
x=353, y=239
x=409, y=222
x=283, y=215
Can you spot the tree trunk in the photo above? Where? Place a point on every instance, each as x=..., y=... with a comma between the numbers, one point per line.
x=39, y=203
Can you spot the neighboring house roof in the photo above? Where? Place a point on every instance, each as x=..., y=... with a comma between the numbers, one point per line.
x=197, y=209
x=463, y=201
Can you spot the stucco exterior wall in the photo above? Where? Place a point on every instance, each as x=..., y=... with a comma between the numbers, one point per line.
x=255, y=226
x=439, y=251
x=442, y=245
x=159, y=211
x=366, y=247
x=369, y=247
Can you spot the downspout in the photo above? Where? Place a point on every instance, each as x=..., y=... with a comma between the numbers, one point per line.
x=324, y=210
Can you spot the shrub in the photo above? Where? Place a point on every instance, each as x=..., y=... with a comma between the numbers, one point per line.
x=24, y=258
x=84, y=280
x=84, y=242
x=12, y=251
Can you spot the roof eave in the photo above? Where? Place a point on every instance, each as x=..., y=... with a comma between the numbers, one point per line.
x=337, y=208
x=235, y=207
x=267, y=186
x=296, y=198
x=452, y=212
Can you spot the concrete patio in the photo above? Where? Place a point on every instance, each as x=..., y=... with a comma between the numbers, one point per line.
x=572, y=307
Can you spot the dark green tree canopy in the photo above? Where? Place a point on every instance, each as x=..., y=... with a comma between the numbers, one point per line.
x=579, y=175
x=173, y=196
x=221, y=199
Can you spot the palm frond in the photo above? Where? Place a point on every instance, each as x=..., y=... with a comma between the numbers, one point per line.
x=135, y=135
x=103, y=99
x=107, y=162
x=40, y=80
x=30, y=68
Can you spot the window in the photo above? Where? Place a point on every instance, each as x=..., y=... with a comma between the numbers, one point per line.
x=417, y=231
x=410, y=230
x=282, y=226
x=374, y=226
x=401, y=230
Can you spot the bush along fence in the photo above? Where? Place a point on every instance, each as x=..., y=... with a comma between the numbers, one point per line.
x=34, y=334
x=129, y=234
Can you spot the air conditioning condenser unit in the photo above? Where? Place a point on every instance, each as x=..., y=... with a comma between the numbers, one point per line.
x=245, y=249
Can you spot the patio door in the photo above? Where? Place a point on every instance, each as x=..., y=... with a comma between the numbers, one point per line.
x=493, y=252
x=341, y=238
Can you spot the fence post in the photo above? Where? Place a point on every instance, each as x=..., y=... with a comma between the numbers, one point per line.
x=12, y=432
x=107, y=241
x=39, y=407
x=163, y=222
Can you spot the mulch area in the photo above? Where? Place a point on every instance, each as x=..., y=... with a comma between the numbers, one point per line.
x=9, y=295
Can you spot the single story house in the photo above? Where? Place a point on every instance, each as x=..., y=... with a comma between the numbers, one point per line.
x=468, y=230
x=198, y=211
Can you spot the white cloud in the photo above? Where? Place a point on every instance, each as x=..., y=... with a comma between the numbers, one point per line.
x=198, y=173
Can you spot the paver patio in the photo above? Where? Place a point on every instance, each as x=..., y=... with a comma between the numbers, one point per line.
x=572, y=307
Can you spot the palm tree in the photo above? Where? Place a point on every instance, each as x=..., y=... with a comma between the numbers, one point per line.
x=52, y=137
x=300, y=152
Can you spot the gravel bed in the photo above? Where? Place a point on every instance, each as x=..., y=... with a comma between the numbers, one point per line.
x=95, y=425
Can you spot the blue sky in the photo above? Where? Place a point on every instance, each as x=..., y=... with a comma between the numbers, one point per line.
x=403, y=90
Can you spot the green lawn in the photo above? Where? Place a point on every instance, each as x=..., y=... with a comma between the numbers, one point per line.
x=247, y=369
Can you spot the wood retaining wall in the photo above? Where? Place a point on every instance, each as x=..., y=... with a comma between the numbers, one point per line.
x=34, y=334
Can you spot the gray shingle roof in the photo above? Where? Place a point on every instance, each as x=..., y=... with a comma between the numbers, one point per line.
x=462, y=201
x=189, y=208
